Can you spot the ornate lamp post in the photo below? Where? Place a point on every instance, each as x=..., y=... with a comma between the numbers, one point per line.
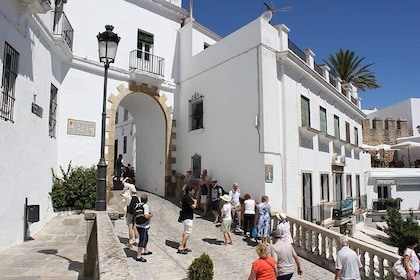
x=108, y=43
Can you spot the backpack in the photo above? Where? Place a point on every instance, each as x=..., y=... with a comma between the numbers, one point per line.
x=139, y=214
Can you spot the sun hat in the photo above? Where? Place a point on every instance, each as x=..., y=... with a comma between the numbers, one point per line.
x=214, y=180
x=225, y=197
x=281, y=215
x=133, y=191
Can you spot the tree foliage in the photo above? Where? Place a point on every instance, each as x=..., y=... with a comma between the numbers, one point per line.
x=76, y=189
x=348, y=66
x=399, y=229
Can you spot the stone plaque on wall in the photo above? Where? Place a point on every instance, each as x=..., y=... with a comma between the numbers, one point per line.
x=81, y=128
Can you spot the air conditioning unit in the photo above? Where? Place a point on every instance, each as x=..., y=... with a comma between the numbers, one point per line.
x=336, y=159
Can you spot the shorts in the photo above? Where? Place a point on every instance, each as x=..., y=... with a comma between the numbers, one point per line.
x=215, y=205
x=225, y=227
x=129, y=219
x=204, y=199
x=143, y=236
x=188, y=225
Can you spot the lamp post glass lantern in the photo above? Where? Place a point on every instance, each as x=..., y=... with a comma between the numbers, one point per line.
x=108, y=43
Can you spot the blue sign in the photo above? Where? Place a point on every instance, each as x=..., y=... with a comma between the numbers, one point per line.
x=346, y=207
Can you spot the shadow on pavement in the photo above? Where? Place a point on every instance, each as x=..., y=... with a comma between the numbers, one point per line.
x=213, y=241
x=172, y=244
x=73, y=265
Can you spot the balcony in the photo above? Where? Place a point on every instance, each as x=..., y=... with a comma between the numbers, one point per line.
x=147, y=67
x=62, y=30
x=38, y=6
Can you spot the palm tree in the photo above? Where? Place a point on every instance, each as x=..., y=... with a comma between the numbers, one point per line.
x=348, y=66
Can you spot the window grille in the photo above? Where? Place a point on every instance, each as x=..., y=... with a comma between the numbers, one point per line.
x=10, y=72
x=52, y=120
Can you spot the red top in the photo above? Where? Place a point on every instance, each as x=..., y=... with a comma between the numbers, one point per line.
x=265, y=268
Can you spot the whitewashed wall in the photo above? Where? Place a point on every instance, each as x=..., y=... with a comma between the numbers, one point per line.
x=28, y=153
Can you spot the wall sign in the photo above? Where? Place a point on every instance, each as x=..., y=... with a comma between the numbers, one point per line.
x=37, y=110
x=81, y=128
x=385, y=182
x=269, y=173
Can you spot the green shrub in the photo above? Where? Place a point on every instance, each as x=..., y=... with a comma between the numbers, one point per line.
x=75, y=190
x=398, y=229
x=201, y=268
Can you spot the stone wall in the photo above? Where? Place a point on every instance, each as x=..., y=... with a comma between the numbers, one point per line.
x=378, y=131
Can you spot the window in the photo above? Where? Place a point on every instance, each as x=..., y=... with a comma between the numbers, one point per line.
x=10, y=71
x=336, y=127
x=359, y=200
x=347, y=132
x=383, y=192
x=125, y=145
x=116, y=116
x=349, y=186
x=338, y=192
x=323, y=119
x=356, y=136
x=325, y=185
x=305, y=111
x=144, y=45
x=52, y=120
x=196, y=111
x=125, y=114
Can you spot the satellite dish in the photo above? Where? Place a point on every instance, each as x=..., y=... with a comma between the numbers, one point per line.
x=267, y=15
x=271, y=10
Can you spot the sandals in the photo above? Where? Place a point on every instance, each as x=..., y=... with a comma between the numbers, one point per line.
x=182, y=252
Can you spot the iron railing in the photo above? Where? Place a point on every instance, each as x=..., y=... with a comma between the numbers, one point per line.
x=147, y=62
x=62, y=27
x=295, y=49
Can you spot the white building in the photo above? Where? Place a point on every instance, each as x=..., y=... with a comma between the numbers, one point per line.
x=252, y=108
x=392, y=183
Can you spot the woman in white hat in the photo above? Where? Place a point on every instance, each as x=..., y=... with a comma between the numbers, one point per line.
x=226, y=219
x=284, y=227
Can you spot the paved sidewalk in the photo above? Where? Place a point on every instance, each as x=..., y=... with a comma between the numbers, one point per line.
x=57, y=250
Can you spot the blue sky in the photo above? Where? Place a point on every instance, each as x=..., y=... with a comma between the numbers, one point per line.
x=385, y=32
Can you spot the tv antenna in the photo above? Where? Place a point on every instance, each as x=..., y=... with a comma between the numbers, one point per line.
x=271, y=9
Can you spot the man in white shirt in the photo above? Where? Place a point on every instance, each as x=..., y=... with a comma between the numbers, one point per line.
x=234, y=195
x=347, y=265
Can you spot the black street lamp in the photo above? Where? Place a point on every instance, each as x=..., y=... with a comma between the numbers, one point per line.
x=108, y=43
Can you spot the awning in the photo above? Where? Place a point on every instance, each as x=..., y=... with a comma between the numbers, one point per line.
x=406, y=176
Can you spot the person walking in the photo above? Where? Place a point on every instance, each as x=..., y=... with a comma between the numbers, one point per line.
x=204, y=192
x=189, y=203
x=249, y=214
x=347, y=263
x=284, y=226
x=410, y=258
x=285, y=256
x=129, y=191
x=263, y=219
x=234, y=195
x=216, y=193
x=143, y=225
x=226, y=212
x=119, y=167
x=264, y=268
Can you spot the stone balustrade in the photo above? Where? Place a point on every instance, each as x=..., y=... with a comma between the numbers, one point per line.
x=320, y=245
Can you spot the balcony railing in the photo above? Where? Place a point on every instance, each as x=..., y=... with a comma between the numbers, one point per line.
x=320, y=245
x=295, y=49
x=147, y=62
x=62, y=27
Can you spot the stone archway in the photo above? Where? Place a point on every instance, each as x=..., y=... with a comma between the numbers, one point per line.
x=115, y=100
